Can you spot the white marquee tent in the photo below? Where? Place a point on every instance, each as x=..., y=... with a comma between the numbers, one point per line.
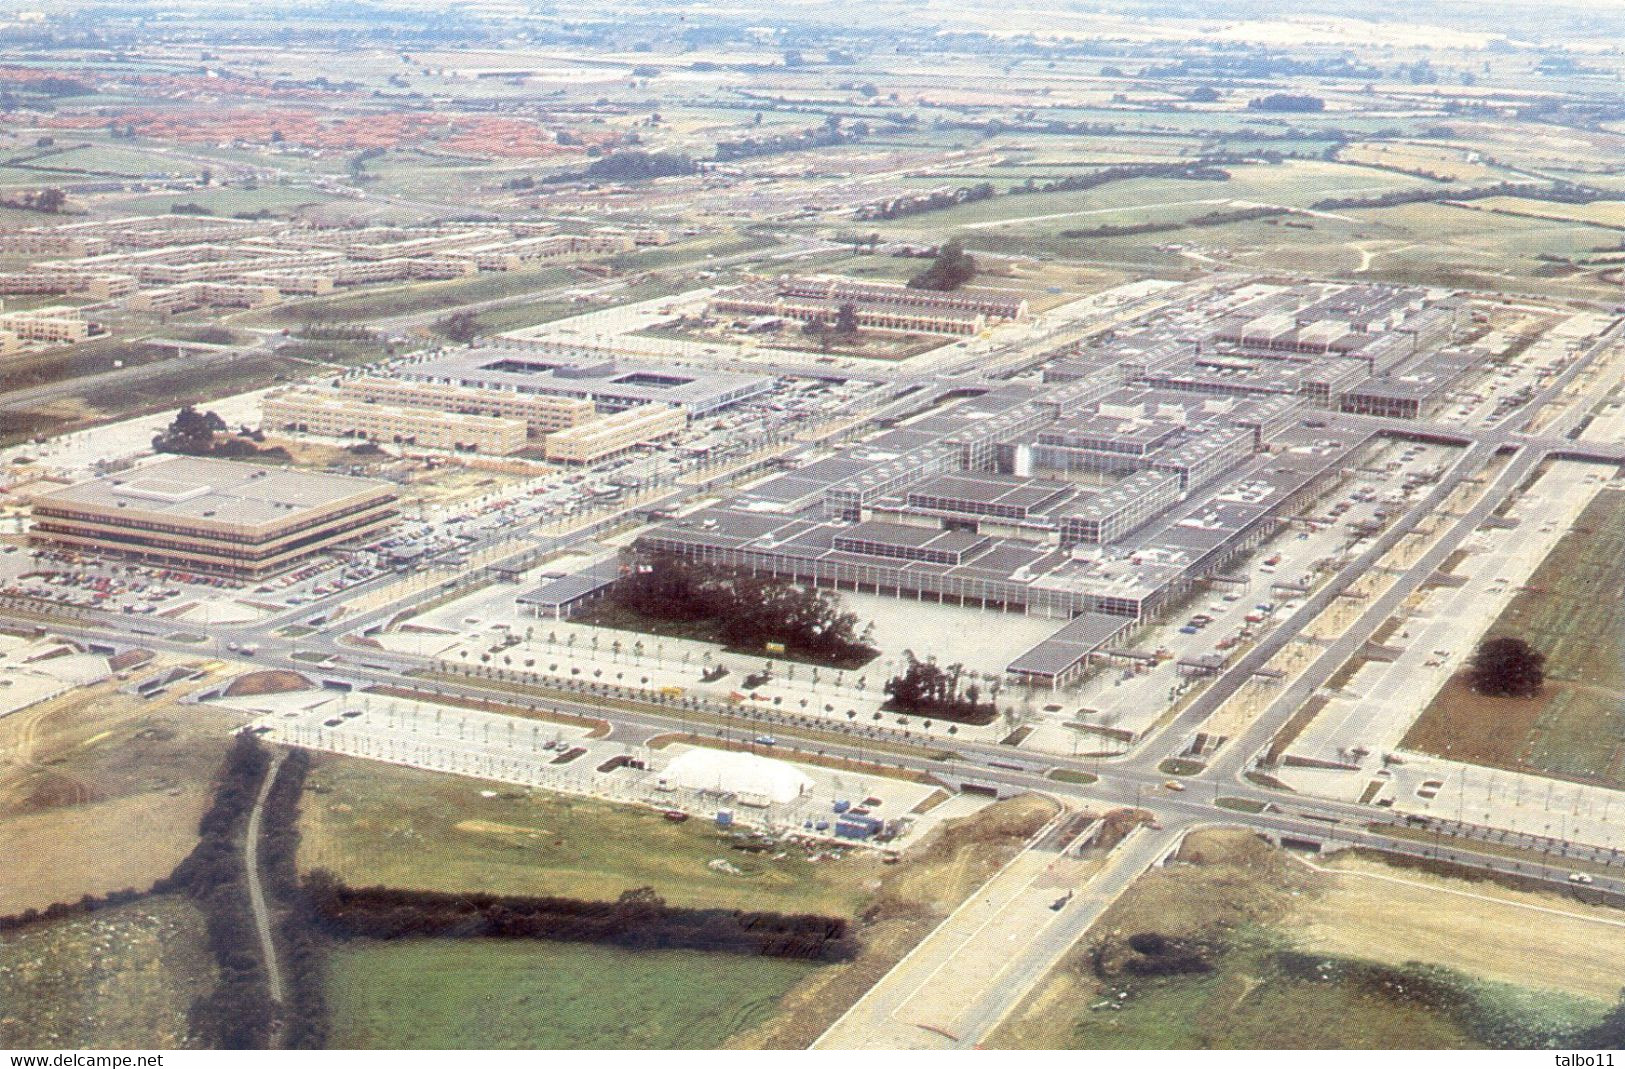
x=763, y=780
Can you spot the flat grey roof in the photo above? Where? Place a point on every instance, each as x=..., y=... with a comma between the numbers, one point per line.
x=991, y=489
x=1065, y=649
x=899, y=534
x=561, y=590
x=222, y=492
x=587, y=375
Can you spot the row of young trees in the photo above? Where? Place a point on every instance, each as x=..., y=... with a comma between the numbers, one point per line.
x=638, y=920
x=746, y=609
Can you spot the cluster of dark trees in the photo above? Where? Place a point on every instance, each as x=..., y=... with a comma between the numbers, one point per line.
x=1202, y=171
x=60, y=911
x=830, y=133
x=194, y=434
x=460, y=327
x=237, y=1014
x=638, y=920
x=845, y=325
x=1431, y=193
x=747, y=610
x=1220, y=218
x=918, y=204
x=636, y=165
x=191, y=432
x=55, y=86
x=1506, y=668
x=1258, y=65
x=1296, y=102
x=302, y=946
x=358, y=162
x=50, y=201
x=927, y=689
x=951, y=268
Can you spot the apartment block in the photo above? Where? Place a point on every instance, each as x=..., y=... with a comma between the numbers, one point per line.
x=330, y=415
x=602, y=438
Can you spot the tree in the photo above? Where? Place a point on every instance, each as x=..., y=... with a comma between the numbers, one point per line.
x=1507, y=668
x=952, y=268
x=50, y=200
x=191, y=432
x=460, y=327
x=846, y=318
x=636, y=165
x=1287, y=102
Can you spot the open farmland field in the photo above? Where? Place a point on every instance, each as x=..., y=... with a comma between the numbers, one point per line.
x=1245, y=947
x=281, y=200
x=121, y=978
x=454, y=993
x=78, y=158
x=101, y=791
x=1575, y=727
x=1295, y=183
x=1438, y=161
x=1605, y=213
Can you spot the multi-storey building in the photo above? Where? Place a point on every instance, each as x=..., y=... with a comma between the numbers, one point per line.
x=215, y=516
x=331, y=415
x=617, y=433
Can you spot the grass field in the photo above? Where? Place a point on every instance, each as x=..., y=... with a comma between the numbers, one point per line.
x=1572, y=611
x=1444, y=162
x=1609, y=213
x=1259, y=995
x=227, y=201
x=450, y=993
x=374, y=823
x=1288, y=957
x=101, y=791
x=123, y=978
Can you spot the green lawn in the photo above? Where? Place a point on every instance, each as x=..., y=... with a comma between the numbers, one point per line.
x=1574, y=728
x=373, y=823
x=447, y=993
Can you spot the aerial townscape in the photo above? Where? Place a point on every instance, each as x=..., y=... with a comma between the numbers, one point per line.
x=554, y=525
